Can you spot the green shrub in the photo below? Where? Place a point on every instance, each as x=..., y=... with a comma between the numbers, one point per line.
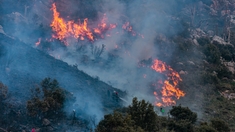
x=180, y=126
x=203, y=41
x=143, y=114
x=48, y=100
x=205, y=128
x=212, y=53
x=117, y=123
x=219, y=125
x=139, y=116
x=183, y=113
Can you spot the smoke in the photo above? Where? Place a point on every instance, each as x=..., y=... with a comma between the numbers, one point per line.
x=87, y=107
x=123, y=72
x=147, y=19
x=119, y=63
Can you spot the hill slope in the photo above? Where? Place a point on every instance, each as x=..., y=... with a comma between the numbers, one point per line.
x=23, y=67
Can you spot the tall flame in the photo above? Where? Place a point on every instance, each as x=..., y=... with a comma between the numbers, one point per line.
x=65, y=29
x=169, y=90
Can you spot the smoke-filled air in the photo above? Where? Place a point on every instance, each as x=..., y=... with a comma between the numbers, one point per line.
x=66, y=65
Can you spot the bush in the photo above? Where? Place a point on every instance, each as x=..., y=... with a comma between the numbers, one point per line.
x=117, y=123
x=209, y=78
x=183, y=113
x=219, y=125
x=203, y=41
x=223, y=72
x=183, y=118
x=49, y=103
x=180, y=126
x=143, y=114
x=205, y=128
x=212, y=53
x=226, y=51
x=139, y=116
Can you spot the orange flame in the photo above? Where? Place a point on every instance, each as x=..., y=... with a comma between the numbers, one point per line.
x=169, y=90
x=65, y=29
x=126, y=26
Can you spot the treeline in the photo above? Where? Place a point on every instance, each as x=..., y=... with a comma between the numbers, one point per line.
x=45, y=109
x=141, y=117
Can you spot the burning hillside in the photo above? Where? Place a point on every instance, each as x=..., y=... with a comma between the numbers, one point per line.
x=81, y=30
x=66, y=29
x=106, y=52
x=169, y=86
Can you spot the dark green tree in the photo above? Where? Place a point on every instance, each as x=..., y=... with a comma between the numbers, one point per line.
x=117, y=123
x=48, y=100
x=139, y=116
x=183, y=113
x=182, y=120
x=143, y=114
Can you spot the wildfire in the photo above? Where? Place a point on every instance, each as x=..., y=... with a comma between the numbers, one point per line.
x=169, y=91
x=65, y=29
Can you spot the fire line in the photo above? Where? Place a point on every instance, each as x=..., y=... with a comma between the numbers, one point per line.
x=65, y=29
x=169, y=91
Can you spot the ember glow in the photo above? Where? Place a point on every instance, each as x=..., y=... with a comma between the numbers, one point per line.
x=169, y=90
x=39, y=41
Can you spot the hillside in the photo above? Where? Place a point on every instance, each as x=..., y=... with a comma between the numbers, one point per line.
x=24, y=67
x=169, y=53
